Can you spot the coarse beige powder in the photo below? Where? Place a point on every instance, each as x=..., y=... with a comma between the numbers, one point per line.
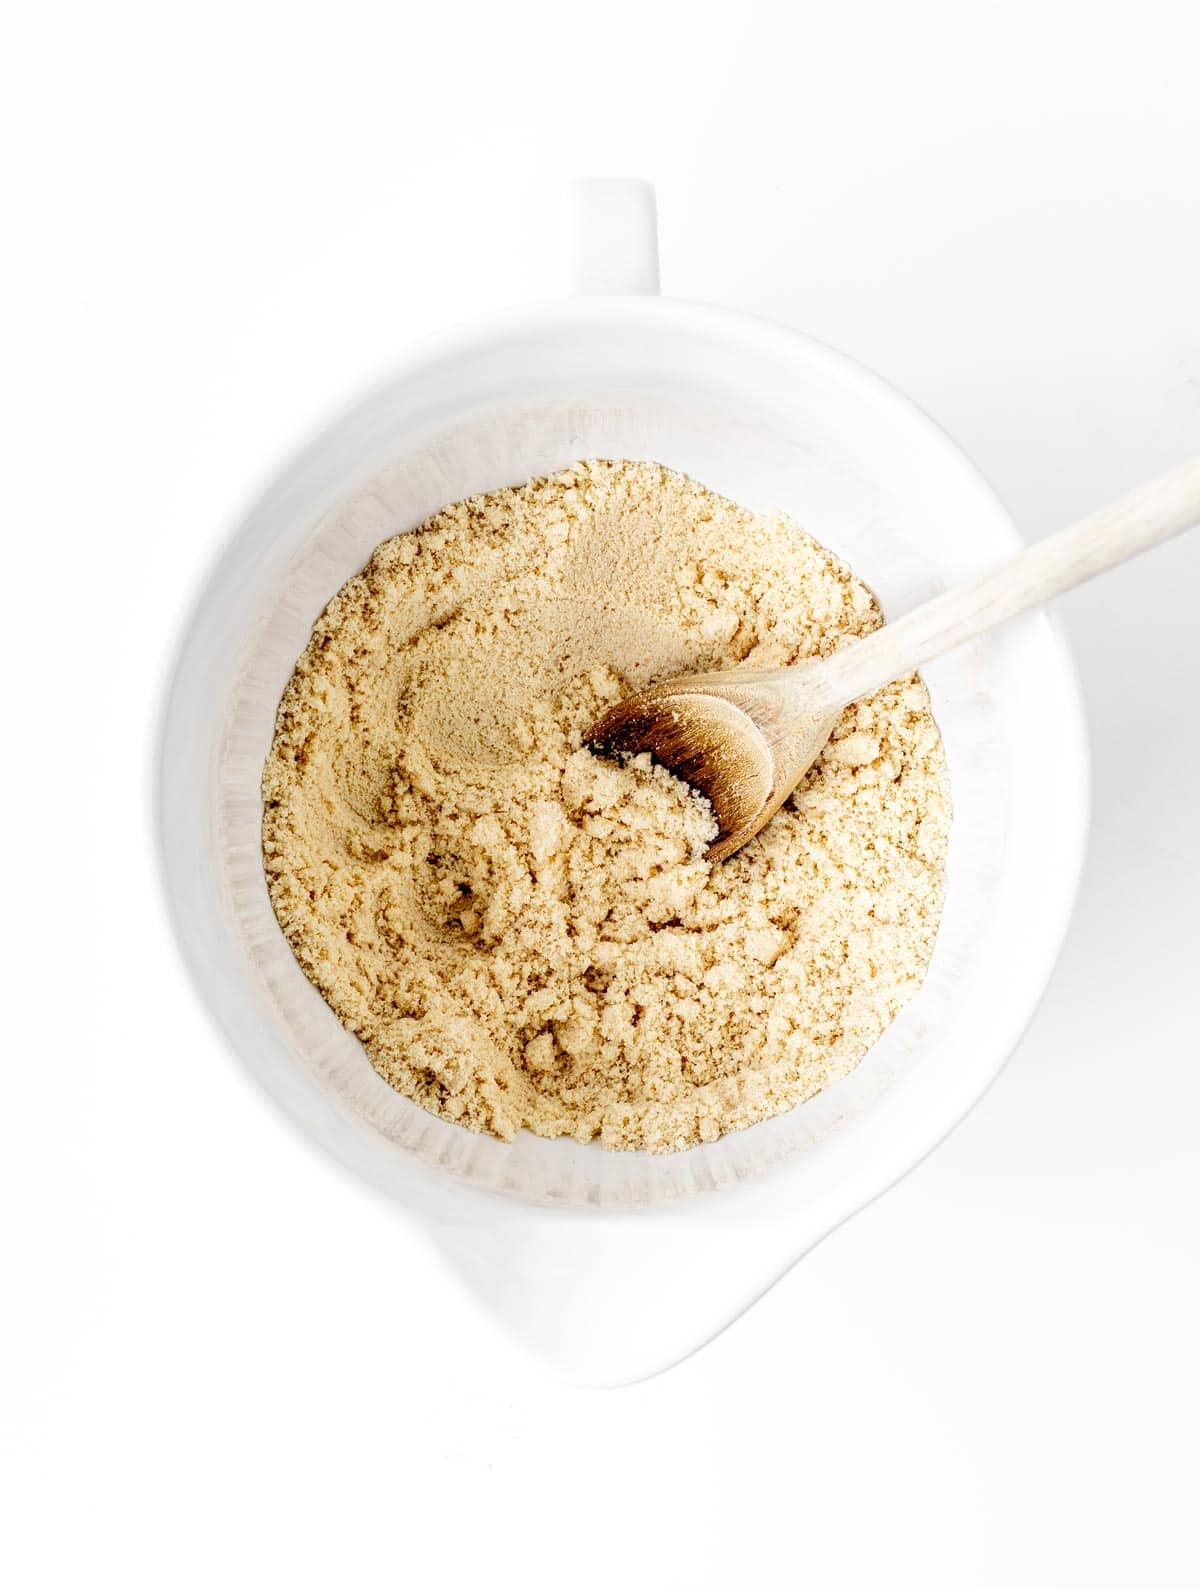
x=523, y=934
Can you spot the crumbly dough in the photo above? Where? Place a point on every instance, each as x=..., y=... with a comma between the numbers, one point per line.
x=523, y=934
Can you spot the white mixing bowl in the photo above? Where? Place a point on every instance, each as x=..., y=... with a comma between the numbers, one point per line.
x=613, y=1265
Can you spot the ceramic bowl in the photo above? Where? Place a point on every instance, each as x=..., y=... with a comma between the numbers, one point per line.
x=610, y=1266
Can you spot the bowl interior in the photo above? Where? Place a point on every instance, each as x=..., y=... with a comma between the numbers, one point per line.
x=772, y=421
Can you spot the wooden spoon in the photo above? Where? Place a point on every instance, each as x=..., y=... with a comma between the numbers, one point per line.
x=745, y=738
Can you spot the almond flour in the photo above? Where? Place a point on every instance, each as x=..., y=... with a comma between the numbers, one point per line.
x=525, y=935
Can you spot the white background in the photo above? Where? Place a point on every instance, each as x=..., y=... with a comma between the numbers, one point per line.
x=223, y=1361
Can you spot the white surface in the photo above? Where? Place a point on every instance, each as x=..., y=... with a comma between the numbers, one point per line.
x=223, y=1360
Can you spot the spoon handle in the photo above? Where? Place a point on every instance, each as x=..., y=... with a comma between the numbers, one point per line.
x=1133, y=524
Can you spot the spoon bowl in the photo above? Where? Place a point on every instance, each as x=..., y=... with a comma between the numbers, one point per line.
x=742, y=743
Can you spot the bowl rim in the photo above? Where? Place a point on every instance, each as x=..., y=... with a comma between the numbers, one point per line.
x=422, y=1187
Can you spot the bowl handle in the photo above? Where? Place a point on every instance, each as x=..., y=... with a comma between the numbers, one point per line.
x=604, y=1300
x=614, y=237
